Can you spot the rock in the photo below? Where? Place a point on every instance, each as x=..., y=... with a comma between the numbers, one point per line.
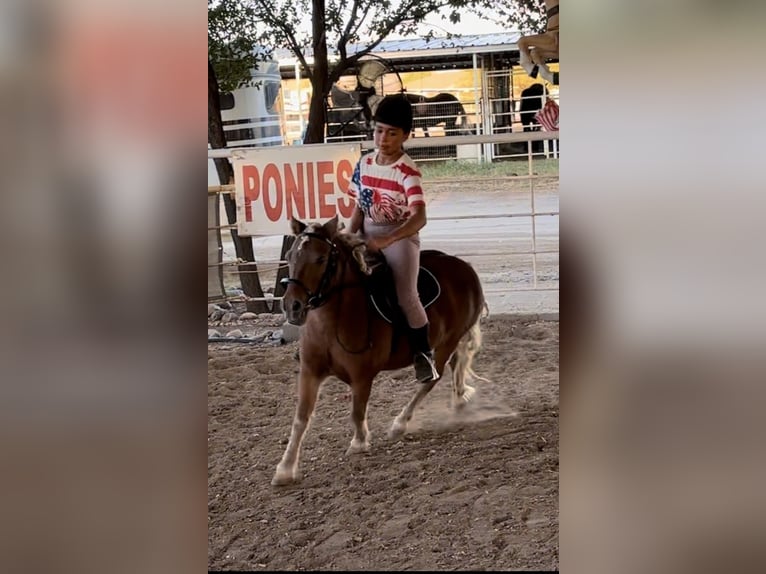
x=212, y=334
x=235, y=334
x=229, y=318
x=290, y=333
x=217, y=314
x=248, y=315
x=211, y=309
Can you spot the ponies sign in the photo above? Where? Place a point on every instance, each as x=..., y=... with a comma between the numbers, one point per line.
x=308, y=182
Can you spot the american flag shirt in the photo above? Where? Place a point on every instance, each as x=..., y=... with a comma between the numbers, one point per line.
x=385, y=193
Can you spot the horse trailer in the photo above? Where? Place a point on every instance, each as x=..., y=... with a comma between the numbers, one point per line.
x=251, y=115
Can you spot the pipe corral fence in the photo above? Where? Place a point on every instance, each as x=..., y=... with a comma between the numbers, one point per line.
x=506, y=226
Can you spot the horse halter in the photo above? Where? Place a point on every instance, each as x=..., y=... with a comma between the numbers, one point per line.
x=320, y=296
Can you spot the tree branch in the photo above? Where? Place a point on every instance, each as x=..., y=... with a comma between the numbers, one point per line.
x=404, y=13
x=359, y=24
x=268, y=12
x=344, y=37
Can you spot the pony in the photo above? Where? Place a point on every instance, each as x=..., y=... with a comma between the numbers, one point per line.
x=443, y=108
x=342, y=334
x=535, y=49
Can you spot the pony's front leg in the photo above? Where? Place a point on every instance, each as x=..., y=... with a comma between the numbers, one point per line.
x=545, y=48
x=361, y=394
x=525, y=56
x=308, y=388
x=539, y=60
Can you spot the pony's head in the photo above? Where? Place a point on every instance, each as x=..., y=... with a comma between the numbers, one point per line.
x=312, y=261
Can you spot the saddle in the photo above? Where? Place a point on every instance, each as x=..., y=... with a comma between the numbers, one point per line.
x=382, y=291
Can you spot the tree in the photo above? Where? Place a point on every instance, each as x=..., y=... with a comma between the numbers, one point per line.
x=528, y=16
x=340, y=23
x=232, y=53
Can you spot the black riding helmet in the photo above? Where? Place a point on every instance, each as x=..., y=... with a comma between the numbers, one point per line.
x=395, y=111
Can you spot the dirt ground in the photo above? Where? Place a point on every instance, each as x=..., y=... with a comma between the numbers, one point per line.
x=476, y=490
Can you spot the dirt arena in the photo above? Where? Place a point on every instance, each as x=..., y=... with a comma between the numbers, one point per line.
x=471, y=491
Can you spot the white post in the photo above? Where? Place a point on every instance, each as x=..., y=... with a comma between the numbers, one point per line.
x=532, y=206
x=486, y=115
x=479, y=114
x=300, y=96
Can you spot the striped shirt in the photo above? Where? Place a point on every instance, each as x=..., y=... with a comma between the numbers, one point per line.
x=548, y=117
x=385, y=193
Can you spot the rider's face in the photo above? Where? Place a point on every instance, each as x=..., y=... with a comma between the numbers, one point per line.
x=389, y=139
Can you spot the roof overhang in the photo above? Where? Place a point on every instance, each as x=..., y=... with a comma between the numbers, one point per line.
x=419, y=54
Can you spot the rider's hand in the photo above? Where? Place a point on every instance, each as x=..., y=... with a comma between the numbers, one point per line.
x=378, y=243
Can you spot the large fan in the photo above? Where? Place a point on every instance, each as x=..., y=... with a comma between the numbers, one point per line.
x=351, y=112
x=377, y=76
x=370, y=72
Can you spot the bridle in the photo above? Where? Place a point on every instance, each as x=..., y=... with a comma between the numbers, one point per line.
x=322, y=294
x=325, y=291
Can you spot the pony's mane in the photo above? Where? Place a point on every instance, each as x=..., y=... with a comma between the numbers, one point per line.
x=352, y=245
x=356, y=247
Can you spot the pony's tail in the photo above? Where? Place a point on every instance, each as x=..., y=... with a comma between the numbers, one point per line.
x=462, y=365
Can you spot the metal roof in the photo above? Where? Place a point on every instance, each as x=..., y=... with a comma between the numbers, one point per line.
x=470, y=44
x=428, y=48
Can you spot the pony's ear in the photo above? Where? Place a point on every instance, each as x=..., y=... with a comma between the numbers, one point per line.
x=331, y=227
x=296, y=226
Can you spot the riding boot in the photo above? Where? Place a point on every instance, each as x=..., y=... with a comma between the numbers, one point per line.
x=423, y=357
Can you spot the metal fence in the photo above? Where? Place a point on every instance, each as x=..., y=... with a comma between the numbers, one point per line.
x=503, y=102
x=267, y=249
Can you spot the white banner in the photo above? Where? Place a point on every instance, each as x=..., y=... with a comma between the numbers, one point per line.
x=308, y=182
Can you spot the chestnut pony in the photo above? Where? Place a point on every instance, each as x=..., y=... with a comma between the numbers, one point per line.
x=343, y=336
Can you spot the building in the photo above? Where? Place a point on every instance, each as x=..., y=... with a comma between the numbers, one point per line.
x=482, y=71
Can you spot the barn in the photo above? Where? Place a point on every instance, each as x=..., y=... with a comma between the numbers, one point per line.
x=480, y=71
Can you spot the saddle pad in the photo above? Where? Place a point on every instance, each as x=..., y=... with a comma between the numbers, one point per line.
x=385, y=302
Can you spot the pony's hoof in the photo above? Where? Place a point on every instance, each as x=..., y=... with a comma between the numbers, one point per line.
x=357, y=448
x=468, y=393
x=283, y=477
x=397, y=430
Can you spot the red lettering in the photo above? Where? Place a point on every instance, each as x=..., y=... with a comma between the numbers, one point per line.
x=345, y=203
x=252, y=183
x=343, y=174
x=284, y=189
x=273, y=210
x=324, y=187
x=312, y=199
x=294, y=193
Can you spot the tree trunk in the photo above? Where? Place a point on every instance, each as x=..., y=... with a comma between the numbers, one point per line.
x=243, y=246
x=287, y=243
x=320, y=85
